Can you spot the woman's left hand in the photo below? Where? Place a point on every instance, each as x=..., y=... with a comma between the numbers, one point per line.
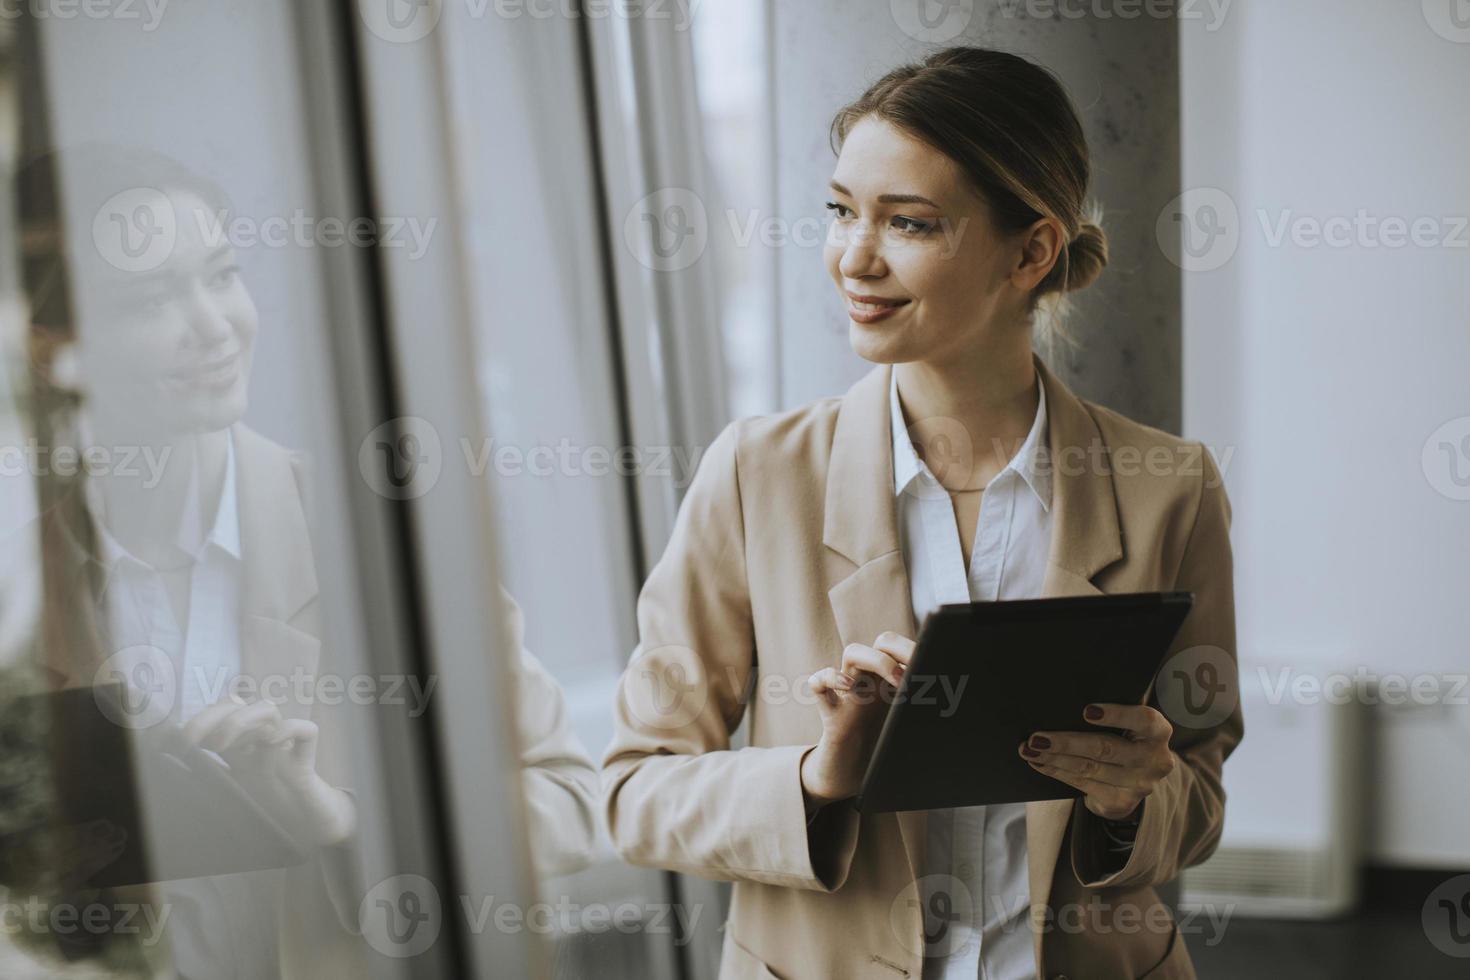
x=274, y=759
x=1115, y=772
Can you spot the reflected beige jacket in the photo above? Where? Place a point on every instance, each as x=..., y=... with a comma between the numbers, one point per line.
x=785, y=550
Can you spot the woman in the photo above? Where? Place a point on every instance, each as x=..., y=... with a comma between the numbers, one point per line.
x=812, y=544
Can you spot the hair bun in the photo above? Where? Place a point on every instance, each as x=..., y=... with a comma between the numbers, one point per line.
x=1087, y=256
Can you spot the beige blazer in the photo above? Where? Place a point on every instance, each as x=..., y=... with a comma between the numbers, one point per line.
x=785, y=550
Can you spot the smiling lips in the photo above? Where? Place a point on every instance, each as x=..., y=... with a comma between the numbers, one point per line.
x=213, y=373
x=870, y=309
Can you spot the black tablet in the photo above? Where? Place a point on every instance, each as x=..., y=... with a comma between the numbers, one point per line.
x=177, y=809
x=986, y=675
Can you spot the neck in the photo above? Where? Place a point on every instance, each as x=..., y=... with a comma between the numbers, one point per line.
x=146, y=504
x=993, y=393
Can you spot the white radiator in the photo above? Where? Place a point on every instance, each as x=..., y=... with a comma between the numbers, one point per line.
x=1294, y=801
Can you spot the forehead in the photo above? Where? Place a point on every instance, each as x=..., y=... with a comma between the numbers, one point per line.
x=196, y=239
x=879, y=158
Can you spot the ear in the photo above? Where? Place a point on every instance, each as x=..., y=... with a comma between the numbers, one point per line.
x=1041, y=248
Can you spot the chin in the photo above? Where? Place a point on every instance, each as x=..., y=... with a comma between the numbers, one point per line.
x=215, y=414
x=878, y=343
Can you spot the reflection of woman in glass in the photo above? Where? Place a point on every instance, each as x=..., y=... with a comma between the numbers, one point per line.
x=189, y=566
x=178, y=560
x=812, y=543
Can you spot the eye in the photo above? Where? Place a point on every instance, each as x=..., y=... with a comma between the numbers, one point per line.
x=225, y=277
x=840, y=210
x=912, y=226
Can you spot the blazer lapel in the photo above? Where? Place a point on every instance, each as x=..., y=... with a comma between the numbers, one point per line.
x=861, y=525
x=279, y=574
x=1085, y=539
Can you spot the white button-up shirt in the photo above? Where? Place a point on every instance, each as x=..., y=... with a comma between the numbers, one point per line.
x=974, y=889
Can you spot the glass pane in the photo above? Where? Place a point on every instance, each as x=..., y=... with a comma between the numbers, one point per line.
x=187, y=781
x=557, y=469
x=732, y=77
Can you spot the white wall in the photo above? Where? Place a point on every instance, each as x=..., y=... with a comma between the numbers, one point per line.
x=1325, y=370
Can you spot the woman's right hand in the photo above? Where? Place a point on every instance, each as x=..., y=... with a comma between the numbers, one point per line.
x=853, y=700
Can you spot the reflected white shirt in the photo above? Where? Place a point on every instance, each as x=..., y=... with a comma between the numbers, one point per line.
x=974, y=887
x=205, y=647
x=216, y=926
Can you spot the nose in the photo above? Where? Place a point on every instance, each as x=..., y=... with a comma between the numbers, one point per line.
x=206, y=315
x=862, y=255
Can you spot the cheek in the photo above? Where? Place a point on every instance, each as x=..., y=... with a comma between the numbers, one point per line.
x=240, y=310
x=832, y=258
x=924, y=274
x=134, y=349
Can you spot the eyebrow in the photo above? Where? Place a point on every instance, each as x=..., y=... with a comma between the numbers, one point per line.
x=142, y=282
x=889, y=198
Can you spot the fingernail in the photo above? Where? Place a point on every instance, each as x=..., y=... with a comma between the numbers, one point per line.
x=1030, y=753
x=1040, y=742
x=1092, y=712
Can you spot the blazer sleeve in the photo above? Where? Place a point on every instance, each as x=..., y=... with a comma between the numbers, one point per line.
x=675, y=794
x=557, y=775
x=1182, y=819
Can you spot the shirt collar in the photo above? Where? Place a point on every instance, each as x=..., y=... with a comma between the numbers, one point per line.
x=224, y=533
x=1028, y=462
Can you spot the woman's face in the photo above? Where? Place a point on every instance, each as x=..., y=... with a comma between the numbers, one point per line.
x=169, y=350
x=921, y=270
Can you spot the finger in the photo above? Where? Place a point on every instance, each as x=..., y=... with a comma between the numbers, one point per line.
x=899, y=647
x=301, y=735
x=209, y=718
x=1111, y=749
x=1139, y=719
x=1111, y=799
x=262, y=718
x=829, y=683
x=858, y=658
x=1100, y=772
